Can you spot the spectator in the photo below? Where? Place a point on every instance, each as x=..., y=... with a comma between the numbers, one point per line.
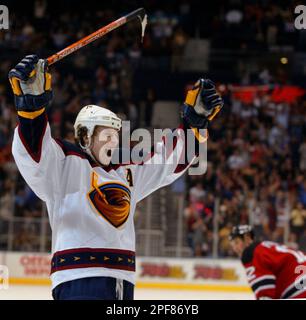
x=197, y=193
x=298, y=220
x=224, y=244
x=292, y=241
x=302, y=192
x=302, y=242
x=236, y=160
x=302, y=151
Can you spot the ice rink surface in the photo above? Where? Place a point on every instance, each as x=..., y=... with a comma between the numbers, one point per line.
x=26, y=292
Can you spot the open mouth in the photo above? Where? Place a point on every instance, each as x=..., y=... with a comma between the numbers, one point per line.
x=109, y=152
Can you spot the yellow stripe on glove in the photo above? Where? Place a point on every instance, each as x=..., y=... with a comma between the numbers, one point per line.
x=198, y=136
x=192, y=95
x=32, y=114
x=15, y=86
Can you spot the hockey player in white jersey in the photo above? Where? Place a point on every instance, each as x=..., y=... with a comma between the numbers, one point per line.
x=90, y=201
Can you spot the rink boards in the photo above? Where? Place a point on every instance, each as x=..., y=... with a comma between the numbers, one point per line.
x=202, y=276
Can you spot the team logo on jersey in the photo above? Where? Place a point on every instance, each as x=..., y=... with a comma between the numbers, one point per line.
x=111, y=200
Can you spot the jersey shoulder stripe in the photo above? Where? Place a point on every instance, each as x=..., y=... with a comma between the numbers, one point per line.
x=71, y=149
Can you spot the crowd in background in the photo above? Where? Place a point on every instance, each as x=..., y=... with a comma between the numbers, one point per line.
x=256, y=168
x=229, y=24
x=255, y=25
x=257, y=152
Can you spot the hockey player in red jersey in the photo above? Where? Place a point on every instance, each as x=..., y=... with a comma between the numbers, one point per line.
x=274, y=271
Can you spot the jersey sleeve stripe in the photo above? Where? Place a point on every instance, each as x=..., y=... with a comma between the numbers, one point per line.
x=182, y=166
x=262, y=278
x=31, y=133
x=262, y=283
x=294, y=289
x=262, y=288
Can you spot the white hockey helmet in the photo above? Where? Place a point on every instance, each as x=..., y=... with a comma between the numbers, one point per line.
x=91, y=116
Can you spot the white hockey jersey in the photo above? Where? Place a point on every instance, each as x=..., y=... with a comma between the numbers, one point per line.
x=91, y=208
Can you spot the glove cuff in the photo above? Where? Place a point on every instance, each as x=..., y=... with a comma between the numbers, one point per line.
x=193, y=119
x=29, y=102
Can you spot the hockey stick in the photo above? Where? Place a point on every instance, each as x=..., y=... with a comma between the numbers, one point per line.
x=139, y=13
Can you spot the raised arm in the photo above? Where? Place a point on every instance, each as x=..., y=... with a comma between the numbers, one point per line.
x=37, y=155
x=170, y=159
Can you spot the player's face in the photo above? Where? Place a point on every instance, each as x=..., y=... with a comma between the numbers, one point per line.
x=238, y=246
x=104, y=141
